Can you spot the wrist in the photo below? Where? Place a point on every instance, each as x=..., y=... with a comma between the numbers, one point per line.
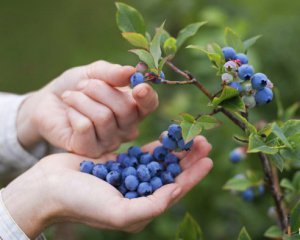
x=29, y=202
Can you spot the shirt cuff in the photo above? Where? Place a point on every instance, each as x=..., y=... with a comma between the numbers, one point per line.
x=12, y=154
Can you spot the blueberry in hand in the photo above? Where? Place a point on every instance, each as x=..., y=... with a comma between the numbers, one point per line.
x=146, y=158
x=144, y=189
x=174, y=169
x=154, y=168
x=160, y=152
x=131, y=182
x=136, y=79
x=169, y=143
x=128, y=171
x=86, y=166
x=143, y=173
x=156, y=183
x=171, y=158
x=100, y=171
x=114, y=178
x=166, y=177
x=131, y=195
x=175, y=131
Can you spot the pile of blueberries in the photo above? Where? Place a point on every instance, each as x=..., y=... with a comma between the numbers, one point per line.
x=137, y=173
x=255, y=88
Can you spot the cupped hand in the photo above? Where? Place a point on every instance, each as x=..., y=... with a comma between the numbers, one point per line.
x=88, y=110
x=69, y=195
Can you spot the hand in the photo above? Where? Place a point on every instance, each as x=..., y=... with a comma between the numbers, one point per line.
x=88, y=110
x=54, y=190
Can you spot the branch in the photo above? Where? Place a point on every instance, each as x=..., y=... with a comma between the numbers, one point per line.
x=169, y=82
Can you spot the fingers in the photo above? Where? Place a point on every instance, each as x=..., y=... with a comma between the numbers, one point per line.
x=113, y=74
x=146, y=99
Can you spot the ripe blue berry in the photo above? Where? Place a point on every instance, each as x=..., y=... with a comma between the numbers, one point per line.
x=108, y=164
x=248, y=195
x=121, y=157
x=242, y=57
x=188, y=146
x=122, y=189
x=145, y=189
x=131, y=182
x=237, y=155
x=154, y=168
x=259, y=81
x=86, y=166
x=169, y=143
x=159, y=153
x=166, y=177
x=143, y=173
x=130, y=162
x=100, y=171
x=136, y=79
x=156, y=183
x=131, y=195
x=135, y=151
x=171, y=158
x=236, y=85
x=229, y=53
x=175, y=131
x=245, y=72
x=146, y=158
x=114, y=178
x=174, y=169
x=263, y=96
x=116, y=167
x=128, y=171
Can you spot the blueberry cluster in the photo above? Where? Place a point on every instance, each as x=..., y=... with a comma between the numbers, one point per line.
x=137, y=173
x=255, y=88
x=141, y=75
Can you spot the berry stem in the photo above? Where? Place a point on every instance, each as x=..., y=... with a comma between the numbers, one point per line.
x=271, y=179
x=169, y=82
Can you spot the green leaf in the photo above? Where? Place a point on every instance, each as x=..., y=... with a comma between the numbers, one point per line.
x=190, y=130
x=155, y=49
x=251, y=41
x=129, y=19
x=144, y=56
x=291, y=111
x=170, y=47
x=279, y=133
x=295, y=217
x=188, y=117
x=256, y=144
x=296, y=181
x=215, y=48
x=285, y=183
x=251, y=128
x=244, y=235
x=291, y=127
x=187, y=32
x=227, y=93
x=234, y=104
x=208, y=122
x=189, y=229
x=273, y=232
x=164, y=36
x=278, y=161
x=136, y=39
x=162, y=63
x=233, y=40
x=237, y=184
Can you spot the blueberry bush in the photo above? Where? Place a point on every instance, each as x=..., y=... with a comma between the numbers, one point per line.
x=238, y=88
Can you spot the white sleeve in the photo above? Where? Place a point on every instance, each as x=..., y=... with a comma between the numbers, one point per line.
x=12, y=155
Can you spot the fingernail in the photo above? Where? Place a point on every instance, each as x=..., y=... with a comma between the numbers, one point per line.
x=143, y=92
x=66, y=94
x=82, y=84
x=176, y=192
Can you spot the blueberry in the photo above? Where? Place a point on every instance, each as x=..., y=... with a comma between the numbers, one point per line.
x=259, y=81
x=248, y=195
x=245, y=72
x=227, y=78
x=242, y=57
x=175, y=131
x=162, y=75
x=156, y=183
x=108, y=164
x=166, y=177
x=128, y=171
x=237, y=155
x=236, y=85
x=145, y=189
x=136, y=79
x=154, y=168
x=171, y=158
x=229, y=53
x=135, y=151
x=146, y=158
x=160, y=152
x=169, y=143
x=181, y=144
x=86, y=166
x=231, y=66
x=100, y=171
x=263, y=96
x=249, y=101
x=131, y=195
x=114, y=178
x=261, y=189
x=130, y=162
x=143, y=173
x=131, y=182
x=116, y=167
x=174, y=169
x=122, y=189
x=121, y=157
x=188, y=146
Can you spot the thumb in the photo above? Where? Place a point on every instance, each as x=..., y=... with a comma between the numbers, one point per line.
x=113, y=74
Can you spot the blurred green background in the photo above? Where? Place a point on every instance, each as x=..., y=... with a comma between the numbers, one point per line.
x=41, y=39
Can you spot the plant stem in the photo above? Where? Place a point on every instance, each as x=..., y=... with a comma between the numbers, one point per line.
x=169, y=82
x=271, y=179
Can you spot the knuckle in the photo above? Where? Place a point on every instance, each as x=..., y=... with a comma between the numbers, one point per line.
x=104, y=117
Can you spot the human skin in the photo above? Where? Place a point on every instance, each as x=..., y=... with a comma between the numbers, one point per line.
x=88, y=110
x=55, y=190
